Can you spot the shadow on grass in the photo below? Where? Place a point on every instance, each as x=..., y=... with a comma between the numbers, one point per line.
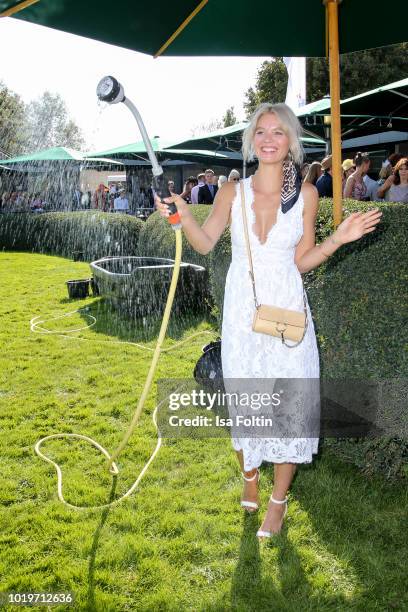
x=112, y=322
x=91, y=604
x=341, y=555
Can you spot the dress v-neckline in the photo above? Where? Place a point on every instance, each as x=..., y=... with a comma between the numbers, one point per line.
x=278, y=215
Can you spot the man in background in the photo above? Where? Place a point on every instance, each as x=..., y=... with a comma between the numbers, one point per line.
x=194, y=191
x=206, y=193
x=121, y=204
x=324, y=183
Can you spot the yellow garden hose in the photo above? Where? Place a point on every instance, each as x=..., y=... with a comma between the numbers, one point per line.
x=113, y=468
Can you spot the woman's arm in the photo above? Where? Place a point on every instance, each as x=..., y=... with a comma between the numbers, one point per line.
x=203, y=238
x=385, y=186
x=309, y=255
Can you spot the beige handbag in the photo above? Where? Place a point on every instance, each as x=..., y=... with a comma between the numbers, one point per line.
x=272, y=320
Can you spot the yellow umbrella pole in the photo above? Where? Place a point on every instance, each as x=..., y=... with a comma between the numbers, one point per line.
x=334, y=63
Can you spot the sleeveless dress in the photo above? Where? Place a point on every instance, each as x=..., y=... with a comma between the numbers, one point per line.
x=250, y=358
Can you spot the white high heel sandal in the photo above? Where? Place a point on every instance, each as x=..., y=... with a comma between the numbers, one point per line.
x=248, y=504
x=267, y=534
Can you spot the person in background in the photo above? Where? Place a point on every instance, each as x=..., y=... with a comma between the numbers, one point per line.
x=355, y=187
x=348, y=169
x=189, y=184
x=314, y=173
x=36, y=203
x=324, y=183
x=195, y=189
x=170, y=186
x=99, y=197
x=215, y=180
x=207, y=192
x=395, y=188
x=221, y=180
x=234, y=176
x=121, y=204
x=304, y=170
x=371, y=187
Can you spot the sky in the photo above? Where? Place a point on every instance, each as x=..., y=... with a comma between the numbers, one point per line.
x=166, y=91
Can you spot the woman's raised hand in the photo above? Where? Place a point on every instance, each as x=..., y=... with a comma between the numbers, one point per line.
x=163, y=208
x=357, y=224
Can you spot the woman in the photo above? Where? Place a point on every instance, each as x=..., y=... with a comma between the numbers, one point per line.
x=355, y=187
x=282, y=213
x=395, y=188
x=189, y=184
x=314, y=172
x=233, y=176
x=221, y=180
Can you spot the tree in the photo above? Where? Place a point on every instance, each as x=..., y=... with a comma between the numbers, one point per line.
x=229, y=118
x=271, y=84
x=204, y=128
x=50, y=124
x=359, y=72
x=13, y=124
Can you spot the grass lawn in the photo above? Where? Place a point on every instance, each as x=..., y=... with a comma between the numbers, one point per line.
x=181, y=542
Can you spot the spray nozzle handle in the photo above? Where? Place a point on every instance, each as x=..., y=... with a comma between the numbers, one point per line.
x=174, y=216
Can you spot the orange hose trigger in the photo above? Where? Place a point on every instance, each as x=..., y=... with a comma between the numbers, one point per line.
x=174, y=217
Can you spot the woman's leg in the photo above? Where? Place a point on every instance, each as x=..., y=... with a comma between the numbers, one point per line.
x=283, y=475
x=250, y=491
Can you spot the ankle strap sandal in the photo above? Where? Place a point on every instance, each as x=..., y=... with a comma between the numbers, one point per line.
x=245, y=503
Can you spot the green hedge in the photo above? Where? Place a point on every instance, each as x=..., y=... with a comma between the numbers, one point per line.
x=95, y=234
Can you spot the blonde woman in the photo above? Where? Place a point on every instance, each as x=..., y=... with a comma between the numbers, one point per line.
x=314, y=172
x=281, y=213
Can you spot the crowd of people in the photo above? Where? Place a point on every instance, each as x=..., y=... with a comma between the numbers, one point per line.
x=390, y=186
x=203, y=188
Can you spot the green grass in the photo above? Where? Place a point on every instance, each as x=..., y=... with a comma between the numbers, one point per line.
x=181, y=542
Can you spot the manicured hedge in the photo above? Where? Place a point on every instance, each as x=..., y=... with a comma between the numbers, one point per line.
x=95, y=234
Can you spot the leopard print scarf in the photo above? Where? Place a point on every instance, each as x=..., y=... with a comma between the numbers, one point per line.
x=291, y=185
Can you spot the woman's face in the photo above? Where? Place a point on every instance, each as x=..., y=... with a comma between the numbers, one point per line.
x=403, y=172
x=350, y=171
x=271, y=143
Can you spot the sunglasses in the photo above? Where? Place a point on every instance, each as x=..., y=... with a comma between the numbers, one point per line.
x=235, y=179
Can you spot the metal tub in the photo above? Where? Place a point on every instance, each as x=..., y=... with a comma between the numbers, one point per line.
x=139, y=285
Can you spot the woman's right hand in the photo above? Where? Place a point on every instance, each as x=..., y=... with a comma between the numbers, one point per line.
x=162, y=206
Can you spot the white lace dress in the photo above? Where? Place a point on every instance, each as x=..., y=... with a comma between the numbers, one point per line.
x=251, y=355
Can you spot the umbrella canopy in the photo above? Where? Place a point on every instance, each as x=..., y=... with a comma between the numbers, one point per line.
x=228, y=139
x=218, y=27
x=137, y=151
x=52, y=154
x=56, y=154
x=377, y=110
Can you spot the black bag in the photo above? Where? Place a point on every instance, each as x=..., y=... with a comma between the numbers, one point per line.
x=208, y=369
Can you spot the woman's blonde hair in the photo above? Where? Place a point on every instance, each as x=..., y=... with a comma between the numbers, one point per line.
x=290, y=125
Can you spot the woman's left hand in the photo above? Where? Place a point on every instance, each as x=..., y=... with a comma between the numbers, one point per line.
x=357, y=224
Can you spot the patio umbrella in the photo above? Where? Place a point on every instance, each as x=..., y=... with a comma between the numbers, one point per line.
x=57, y=154
x=137, y=151
x=378, y=110
x=228, y=139
x=216, y=27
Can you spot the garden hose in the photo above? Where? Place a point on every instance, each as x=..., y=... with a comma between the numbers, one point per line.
x=111, y=459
